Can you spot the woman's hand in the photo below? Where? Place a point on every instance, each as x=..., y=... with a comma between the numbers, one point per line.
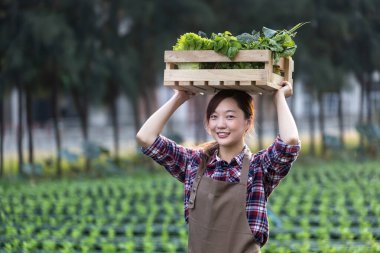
x=183, y=95
x=286, y=89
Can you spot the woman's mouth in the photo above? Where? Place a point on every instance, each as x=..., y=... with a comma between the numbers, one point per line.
x=222, y=135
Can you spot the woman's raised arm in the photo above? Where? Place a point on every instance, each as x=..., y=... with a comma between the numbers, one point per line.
x=156, y=122
x=287, y=126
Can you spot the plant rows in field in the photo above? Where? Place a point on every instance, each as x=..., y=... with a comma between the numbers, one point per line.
x=112, y=215
x=318, y=208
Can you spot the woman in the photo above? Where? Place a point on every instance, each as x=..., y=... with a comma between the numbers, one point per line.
x=226, y=187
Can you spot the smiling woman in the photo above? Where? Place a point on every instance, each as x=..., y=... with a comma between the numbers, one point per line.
x=229, y=116
x=226, y=187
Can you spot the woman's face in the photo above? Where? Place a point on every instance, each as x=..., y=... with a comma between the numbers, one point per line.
x=227, y=125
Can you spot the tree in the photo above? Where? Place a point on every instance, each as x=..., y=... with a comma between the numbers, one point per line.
x=171, y=18
x=13, y=66
x=37, y=58
x=2, y=124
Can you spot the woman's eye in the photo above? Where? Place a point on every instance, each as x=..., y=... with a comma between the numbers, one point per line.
x=230, y=117
x=213, y=117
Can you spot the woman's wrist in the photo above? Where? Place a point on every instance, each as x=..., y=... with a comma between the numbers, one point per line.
x=278, y=96
x=181, y=96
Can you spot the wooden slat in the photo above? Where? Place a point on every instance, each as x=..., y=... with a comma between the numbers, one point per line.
x=249, y=87
x=230, y=83
x=189, y=86
x=212, y=56
x=280, y=63
x=272, y=85
x=216, y=75
x=277, y=79
x=170, y=65
x=199, y=83
x=289, y=66
x=268, y=69
x=214, y=83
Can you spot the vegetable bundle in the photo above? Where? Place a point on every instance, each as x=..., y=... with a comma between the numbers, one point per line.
x=280, y=42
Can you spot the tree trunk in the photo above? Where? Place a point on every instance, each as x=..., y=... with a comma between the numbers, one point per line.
x=361, y=109
x=147, y=99
x=2, y=126
x=322, y=122
x=29, y=122
x=148, y=79
x=115, y=127
x=81, y=105
x=57, y=133
x=20, y=129
x=311, y=118
x=341, y=118
x=364, y=118
x=368, y=99
x=260, y=121
x=136, y=114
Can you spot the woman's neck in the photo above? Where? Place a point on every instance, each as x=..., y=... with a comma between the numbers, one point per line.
x=228, y=153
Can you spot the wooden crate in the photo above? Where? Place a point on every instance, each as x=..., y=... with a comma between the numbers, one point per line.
x=211, y=80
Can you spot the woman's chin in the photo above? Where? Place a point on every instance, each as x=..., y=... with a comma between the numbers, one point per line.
x=224, y=142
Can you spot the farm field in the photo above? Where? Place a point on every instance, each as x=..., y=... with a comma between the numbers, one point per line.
x=319, y=207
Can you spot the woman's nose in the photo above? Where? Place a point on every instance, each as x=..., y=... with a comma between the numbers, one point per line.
x=221, y=123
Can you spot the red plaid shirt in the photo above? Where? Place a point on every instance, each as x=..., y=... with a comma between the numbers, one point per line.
x=267, y=168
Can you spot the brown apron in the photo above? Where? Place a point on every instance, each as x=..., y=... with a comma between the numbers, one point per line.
x=217, y=215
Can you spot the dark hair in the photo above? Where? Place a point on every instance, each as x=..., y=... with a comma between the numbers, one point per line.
x=244, y=102
x=243, y=99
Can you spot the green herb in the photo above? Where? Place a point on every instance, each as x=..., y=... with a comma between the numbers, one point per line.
x=192, y=41
x=280, y=42
x=226, y=44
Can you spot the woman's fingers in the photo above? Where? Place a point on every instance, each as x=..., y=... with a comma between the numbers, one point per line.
x=184, y=94
x=287, y=88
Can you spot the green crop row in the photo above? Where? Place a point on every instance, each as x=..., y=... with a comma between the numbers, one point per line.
x=317, y=208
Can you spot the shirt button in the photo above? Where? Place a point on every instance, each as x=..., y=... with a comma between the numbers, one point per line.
x=193, y=189
x=191, y=202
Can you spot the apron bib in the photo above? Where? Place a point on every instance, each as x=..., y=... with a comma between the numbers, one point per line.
x=217, y=215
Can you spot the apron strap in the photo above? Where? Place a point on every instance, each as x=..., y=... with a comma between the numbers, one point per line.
x=245, y=170
x=198, y=177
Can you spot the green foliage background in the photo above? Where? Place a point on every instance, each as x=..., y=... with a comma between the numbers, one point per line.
x=95, y=50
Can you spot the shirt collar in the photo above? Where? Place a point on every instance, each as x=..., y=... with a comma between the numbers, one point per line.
x=238, y=158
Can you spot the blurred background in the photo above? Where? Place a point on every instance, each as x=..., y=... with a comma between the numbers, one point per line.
x=79, y=77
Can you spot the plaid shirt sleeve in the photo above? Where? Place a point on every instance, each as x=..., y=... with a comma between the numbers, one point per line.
x=172, y=156
x=276, y=162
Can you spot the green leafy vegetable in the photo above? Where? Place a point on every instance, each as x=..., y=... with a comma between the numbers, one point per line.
x=280, y=42
x=226, y=44
x=268, y=33
x=192, y=41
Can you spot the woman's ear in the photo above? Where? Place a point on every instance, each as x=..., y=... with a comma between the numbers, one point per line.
x=249, y=124
x=208, y=130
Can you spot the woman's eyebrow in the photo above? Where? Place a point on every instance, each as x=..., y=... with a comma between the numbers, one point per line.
x=226, y=111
